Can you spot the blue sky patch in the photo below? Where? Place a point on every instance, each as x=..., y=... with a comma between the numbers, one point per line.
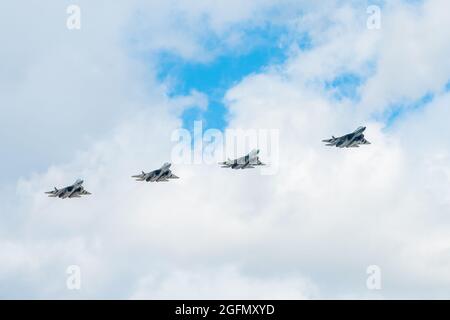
x=345, y=86
x=396, y=111
x=447, y=86
x=265, y=46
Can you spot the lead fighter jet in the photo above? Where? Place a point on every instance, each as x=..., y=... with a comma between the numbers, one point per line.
x=162, y=174
x=249, y=161
x=74, y=191
x=351, y=140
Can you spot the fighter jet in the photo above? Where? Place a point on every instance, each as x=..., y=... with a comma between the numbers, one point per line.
x=249, y=161
x=162, y=174
x=351, y=140
x=76, y=190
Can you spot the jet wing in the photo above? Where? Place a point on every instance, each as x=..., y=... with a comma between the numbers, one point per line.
x=226, y=164
x=78, y=194
x=331, y=142
x=242, y=160
x=166, y=176
x=146, y=176
x=51, y=194
x=347, y=143
x=73, y=192
x=56, y=192
x=259, y=163
x=253, y=163
x=141, y=176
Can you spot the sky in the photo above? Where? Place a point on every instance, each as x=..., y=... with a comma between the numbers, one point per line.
x=103, y=102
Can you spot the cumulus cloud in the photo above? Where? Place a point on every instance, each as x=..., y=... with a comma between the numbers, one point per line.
x=406, y=46
x=309, y=231
x=223, y=283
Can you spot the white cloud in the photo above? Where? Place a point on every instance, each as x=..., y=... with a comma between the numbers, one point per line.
x=225, y=283
x=412, y=53
x=310, y=231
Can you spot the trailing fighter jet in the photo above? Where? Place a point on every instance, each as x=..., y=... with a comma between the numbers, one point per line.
x=249, y=161
x=162, y=174
x=351, y=140
x=74, y=191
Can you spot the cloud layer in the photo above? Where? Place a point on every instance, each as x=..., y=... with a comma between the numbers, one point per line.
x=88, y=104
